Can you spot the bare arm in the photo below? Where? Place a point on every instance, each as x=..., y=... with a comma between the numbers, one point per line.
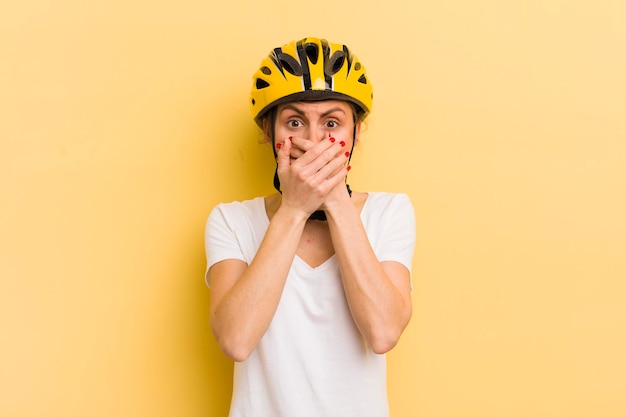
x=244, y=297
x=378, y=293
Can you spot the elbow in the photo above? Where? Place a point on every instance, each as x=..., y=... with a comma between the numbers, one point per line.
x=234, y=348
x=382, y=345
x=233, y=345
x=385, y=339
x=235, y=353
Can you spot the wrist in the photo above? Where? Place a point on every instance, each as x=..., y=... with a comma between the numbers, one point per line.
x=339, y=207
x=291, y=214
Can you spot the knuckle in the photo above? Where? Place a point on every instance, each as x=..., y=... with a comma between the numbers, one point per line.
x=301, y=176
x=329, y=155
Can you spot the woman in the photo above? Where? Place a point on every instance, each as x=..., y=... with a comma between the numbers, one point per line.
x=310, y=286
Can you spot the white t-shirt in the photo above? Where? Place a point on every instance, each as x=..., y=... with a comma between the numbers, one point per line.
x=312, y=361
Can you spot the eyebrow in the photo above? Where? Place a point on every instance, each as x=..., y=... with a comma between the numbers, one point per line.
x=301, y=113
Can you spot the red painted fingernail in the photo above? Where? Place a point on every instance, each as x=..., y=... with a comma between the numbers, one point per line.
x=290, y=138
x=348, y=168
x=342, y=143
x=347, y=154
x=278, y=145
x=331, y=139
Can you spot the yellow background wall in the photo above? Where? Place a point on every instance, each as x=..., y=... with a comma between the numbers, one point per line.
x=122, y=123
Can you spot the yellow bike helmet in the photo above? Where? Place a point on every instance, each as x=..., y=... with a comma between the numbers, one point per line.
x=309, y=69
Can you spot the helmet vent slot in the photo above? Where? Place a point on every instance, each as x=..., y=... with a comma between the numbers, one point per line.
x=312, y=52
x=290, y=64
x=260, y=84
x=309, y=69
x=335, y=63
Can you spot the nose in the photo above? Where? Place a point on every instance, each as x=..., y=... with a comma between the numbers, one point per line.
x=318, y=134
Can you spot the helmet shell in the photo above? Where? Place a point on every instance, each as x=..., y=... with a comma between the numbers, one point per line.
x=309, y=69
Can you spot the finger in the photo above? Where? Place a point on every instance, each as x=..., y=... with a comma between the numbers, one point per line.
x=313, y=151
x=296, y=149
x=327, y=177
x=335, y=166
x=334, y=180
x=295, y=153
x=283, y=154
x=335, y=153
x=301, y=143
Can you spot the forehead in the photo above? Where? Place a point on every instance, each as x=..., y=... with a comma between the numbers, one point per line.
x=313, y=107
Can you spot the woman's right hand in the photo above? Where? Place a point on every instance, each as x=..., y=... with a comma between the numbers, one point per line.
x=308, y=171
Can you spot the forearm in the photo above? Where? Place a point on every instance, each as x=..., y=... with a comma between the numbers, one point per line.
x=381, y=308
x=242, y=314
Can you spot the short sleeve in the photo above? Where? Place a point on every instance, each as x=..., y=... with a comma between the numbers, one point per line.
x=220, y=239
x=397, y=239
